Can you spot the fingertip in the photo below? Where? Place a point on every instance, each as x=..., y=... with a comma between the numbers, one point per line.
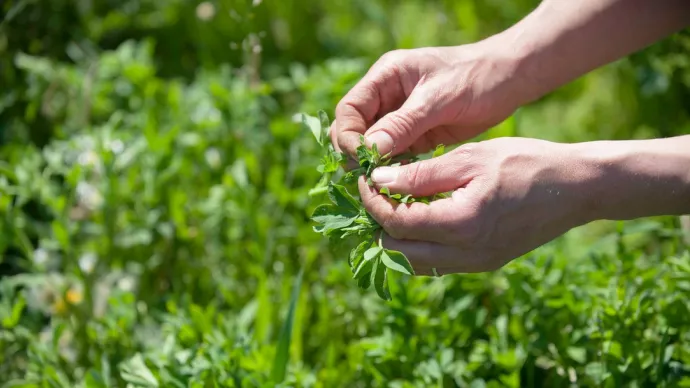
x=349, y=141
x=379, y=206
x=383, y=140
x=365, y=191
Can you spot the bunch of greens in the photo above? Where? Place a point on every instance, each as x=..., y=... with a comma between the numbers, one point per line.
x=344, y=217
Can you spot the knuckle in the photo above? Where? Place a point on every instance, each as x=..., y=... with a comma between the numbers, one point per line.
x=403, y=122
x=365, y=92
x=414, y=175
x=340, y=107
x=467, y=150
x=393, y=56
x=346, y=106
x=391, y=65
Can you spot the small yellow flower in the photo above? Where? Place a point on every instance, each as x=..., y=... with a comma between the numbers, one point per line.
x=71, y=297
x=74, y=296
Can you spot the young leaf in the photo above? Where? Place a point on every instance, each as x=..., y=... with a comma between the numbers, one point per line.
x=364, y=282
x=313, y=124
x=330, y=162
x=440, y=149
x=332, y=218
x=396, y=261
x=363, y=269
x=363, y=156
x=353, y=175
x=380, y=280
x=372, y=253
x=339, y=196
x=325, y=126
x=357, y=254
x=347, y=218
x=375, y=156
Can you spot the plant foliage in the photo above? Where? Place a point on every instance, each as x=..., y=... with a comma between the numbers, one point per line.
x=155, y=210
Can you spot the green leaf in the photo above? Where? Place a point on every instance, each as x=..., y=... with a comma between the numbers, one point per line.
x=61, y=234
x=283, y=350
x=363, y=268
x=357, y=254
x=332, y=218
x=341, y=198
x=330, y=162
x=135, y=371
x=380, y=280
x=375, y=152
x=440, y=149
x=328, y=209
x=578, y=354
x=313, y=124
x=372, y=253
x=364, y=282
x=13, y=319
x=396, y=261
x=325, y=126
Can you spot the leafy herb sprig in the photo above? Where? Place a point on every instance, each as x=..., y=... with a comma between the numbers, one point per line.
x=344, y=217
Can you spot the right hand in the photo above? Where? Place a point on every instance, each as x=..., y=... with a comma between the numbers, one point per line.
x=413, y=100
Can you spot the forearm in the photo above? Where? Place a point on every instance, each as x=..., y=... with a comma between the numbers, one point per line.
x=635, y=178
x=563, y=39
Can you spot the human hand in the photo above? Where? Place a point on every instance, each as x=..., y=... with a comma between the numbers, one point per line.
x=512, y=195
x=509, y=196
x=413, y=100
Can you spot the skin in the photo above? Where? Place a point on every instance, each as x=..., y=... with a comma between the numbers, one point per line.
x=510, y=195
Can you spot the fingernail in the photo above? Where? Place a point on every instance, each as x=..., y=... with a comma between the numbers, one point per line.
x=384, y=175
x=384, y=141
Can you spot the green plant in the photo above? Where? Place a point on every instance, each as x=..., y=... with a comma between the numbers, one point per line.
x=345, y=216
x=155, y=216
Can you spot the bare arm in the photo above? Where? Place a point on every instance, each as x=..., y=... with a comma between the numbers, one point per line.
x=636, y=178
x=564, y=39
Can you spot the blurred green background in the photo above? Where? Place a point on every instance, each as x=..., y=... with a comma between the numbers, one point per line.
x=154, y=217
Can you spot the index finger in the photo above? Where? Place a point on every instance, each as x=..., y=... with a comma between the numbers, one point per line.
x=378, y=93
x=354, y=114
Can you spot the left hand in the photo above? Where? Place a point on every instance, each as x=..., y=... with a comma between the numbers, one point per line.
x=510, y=196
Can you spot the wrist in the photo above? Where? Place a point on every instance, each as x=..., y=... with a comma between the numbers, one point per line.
x=560, y=41
x=635, y=178
x=505, y=65
x=527, y=55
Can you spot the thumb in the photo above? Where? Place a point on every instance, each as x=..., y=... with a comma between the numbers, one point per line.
x=398, y=130
x=428, y=177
